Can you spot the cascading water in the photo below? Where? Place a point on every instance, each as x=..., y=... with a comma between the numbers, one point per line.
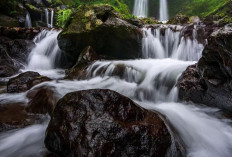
x=163, y=10
x=168, y=42
x=150, y=82
x=28, y=20
x=140, y=8
x=46, y=52
x=46, y=16
x=49, y=15
x=52, y=14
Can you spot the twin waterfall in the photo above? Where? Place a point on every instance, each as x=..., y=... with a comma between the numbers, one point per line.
x=141, y=9
x=163, y=12
x=49, y=20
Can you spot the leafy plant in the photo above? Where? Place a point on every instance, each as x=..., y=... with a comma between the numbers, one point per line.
x=63, y=16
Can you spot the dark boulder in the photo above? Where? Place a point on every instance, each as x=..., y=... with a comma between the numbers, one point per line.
x=15, y=46
x=210, y=81
x=25, y=81
x=105, y=123
x=78, y=71
x=43, y=101
x=102, y=28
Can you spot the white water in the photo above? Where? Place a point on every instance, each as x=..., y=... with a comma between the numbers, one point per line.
x=140, y=8
x=52, y=14
x=49, y=14
x=46, y=52
x=163, y=10
x=46, y=16
x=149, y=82
x=170, y=44
x=28, y=20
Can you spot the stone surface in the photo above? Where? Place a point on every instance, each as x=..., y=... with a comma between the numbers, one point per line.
x=105, y=123
x=43, y=101
x=103, y=29
x=25, y=81
x=210, y=81
x=78, y=71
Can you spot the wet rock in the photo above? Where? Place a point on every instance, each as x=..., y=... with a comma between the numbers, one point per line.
x=25, y=81
x=43, y=101
x=15, y=45
x=210, y=81
x=78, y=71
x=179, y=19
x=103, y=29
x=103, y=122
x=14, y=116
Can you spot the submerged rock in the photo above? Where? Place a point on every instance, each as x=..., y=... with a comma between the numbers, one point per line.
x=210, y=81
x=103, y=122
x=78, y=71
x=42, y=102
x=102, y=28
x=25, y=81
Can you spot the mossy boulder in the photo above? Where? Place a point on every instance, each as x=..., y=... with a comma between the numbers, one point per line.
x=102, y=28
x=8, y=21
x=179, y=19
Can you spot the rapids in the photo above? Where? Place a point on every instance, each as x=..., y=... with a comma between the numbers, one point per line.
x=149, y=81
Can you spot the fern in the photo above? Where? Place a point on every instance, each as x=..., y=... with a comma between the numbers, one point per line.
x=63, y=16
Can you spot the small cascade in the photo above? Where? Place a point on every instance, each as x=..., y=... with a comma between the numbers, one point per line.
x=169, y=42
x=46, y=53
x=141, y=8
x=49, y=15
x=163, y=10
x=28, y=20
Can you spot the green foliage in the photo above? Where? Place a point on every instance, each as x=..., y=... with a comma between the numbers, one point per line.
x=119, y=5
x=63, y=16
x=201, y=8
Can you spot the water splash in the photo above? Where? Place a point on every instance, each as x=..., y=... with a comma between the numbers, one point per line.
x=163, y=10
x=46, y=53
x=28, y=20
x=140, y=8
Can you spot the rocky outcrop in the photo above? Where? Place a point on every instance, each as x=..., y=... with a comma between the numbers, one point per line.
x=103, y=122
x=102, y=28
x=43, y=101
x=210, y=82
x=79, y=70
x=25, y=81
x=15, y=45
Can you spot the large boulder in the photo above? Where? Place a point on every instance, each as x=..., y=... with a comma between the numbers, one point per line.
x=79, y=70
x=210, y=81
x=102, y=28
x=104, y=123
x=25, y=81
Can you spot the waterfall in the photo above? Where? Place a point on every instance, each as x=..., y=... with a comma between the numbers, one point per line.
x=46, y=53
x=140, y=8
x=28, y=20
x=52, y=14
x=163, y=10
x=47, y=16
x=164, y=42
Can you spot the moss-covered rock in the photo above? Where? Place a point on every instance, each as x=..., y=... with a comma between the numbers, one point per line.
x=102, y=28
x=8, y=21
x=179, y=19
